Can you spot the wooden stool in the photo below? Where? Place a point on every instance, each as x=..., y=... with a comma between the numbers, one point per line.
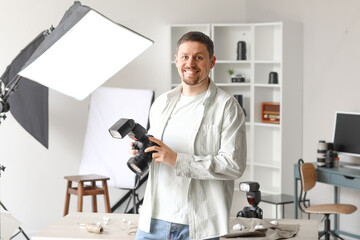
x=82, y=190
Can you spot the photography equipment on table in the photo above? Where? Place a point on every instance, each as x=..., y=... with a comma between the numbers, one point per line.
x=139, y=164
x=326, y=155
x=241, y=50
x=329, y=159
x=239, y=98
x=253, y=196
x=273, y=78
x=321, y=153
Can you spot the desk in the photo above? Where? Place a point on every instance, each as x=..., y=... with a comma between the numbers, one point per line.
x=338, y=177
x=278, y=199
x=67, y=228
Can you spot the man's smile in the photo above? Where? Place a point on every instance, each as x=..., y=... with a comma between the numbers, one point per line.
x=191, y=71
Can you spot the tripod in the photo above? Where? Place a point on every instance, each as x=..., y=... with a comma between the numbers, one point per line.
x=20, y=230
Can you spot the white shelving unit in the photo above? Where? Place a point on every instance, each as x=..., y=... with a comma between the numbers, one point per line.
x=270, y=47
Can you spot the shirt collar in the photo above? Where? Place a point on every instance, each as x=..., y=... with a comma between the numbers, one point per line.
x=210, y=95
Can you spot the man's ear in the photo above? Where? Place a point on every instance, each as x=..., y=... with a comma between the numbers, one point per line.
x=176, y=59
x=212, y=61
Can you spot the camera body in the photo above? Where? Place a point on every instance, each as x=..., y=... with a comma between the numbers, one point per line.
x=139, y=164
x=251, y=212
x=253, y=196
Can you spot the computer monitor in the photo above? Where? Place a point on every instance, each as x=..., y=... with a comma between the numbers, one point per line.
x=347, y=133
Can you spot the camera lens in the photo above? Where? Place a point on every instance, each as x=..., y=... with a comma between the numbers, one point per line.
x=134, y=167
x=321, y=152
x=140, y=163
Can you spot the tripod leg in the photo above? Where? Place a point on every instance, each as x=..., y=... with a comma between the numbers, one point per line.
x=134, y=201
x=335, y=235
x=127, y=205
x=320, y=234
x=20, y=229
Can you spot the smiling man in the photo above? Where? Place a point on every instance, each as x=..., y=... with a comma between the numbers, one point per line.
x=200, y=132
x=194, y=62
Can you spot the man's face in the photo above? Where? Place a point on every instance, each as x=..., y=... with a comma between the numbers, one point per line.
x=193, y=62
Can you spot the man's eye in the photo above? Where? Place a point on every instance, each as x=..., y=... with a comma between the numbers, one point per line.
x=199, y=58
x=184, y=57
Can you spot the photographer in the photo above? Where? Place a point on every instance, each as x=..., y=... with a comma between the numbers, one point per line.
x=201, y=152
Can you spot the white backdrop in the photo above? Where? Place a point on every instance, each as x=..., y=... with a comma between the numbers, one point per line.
x=103, y=154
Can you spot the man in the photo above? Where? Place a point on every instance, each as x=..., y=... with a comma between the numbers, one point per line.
x=201, y=151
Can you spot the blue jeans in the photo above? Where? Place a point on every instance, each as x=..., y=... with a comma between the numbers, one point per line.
x=162, y=230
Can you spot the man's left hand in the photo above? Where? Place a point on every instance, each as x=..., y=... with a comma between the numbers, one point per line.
x=162, y=152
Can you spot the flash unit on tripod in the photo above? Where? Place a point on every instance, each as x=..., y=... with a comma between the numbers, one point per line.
x=249, y=186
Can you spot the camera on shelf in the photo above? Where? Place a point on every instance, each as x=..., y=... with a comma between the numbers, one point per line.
x=253, y=196
x=139, y=164
x=237, y=78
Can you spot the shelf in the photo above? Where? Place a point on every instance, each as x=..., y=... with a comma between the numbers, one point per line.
x=266, y=125
x=262, y=72
x=227, y=62
x=268, y=192
x=269, y=180
x=233, y=84
x=226, y=38
x=232, y=62
x=267, y=62
x=276, y=166
x=267, y=85
x=267, y=146
x=268, y=42
x=270, y=47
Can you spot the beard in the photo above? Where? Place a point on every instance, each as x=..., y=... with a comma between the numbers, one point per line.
x=194, y=81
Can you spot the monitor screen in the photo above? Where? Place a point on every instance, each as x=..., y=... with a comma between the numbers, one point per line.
x=347, y=133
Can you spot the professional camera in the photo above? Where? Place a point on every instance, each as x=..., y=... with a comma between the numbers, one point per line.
x=139, y=164
x=253, y=196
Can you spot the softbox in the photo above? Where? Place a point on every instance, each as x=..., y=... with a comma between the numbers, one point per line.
x=29, y=105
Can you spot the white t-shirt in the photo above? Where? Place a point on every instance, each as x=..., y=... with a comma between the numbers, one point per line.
x=172, y=191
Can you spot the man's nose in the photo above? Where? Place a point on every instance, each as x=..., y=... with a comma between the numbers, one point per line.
x=191, y=62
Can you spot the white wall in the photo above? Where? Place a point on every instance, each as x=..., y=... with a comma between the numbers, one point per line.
x=33, y=185
x=331, y=74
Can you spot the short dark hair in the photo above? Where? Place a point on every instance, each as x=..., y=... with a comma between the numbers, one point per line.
x=198, y=37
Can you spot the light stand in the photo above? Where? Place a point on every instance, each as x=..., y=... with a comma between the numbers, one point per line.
x=75, y=58
x=2, y=169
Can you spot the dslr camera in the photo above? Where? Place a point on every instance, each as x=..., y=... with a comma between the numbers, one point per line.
x=140, y=163
x=253, y=196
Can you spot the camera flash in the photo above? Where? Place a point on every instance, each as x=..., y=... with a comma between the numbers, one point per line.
x=115, y=134
x=244, y=187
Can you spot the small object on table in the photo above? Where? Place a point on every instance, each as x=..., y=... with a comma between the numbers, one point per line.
x=91, y=227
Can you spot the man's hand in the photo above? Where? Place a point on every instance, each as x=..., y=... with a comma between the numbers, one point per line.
x=162, y=152
x=132, y=151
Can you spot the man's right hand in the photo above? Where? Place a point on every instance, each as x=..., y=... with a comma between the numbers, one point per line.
x=133, y=151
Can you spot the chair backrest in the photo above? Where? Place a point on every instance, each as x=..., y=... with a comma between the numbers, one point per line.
x=308, y=176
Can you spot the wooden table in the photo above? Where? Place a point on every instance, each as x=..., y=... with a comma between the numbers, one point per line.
x=120, y=227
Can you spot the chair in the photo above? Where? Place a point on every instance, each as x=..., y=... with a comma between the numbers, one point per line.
x=308, y=181
x=82, y=190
